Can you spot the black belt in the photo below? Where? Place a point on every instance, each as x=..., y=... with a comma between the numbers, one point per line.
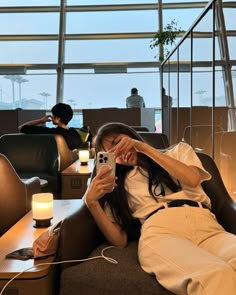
x=178, y=203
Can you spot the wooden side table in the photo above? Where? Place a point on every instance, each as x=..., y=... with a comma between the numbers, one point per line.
x=74, y=179
x=38, y=280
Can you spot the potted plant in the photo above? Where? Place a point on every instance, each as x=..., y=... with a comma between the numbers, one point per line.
x=164, y=38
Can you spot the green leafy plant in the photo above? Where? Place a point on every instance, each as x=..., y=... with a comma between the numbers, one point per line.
x=165, y=38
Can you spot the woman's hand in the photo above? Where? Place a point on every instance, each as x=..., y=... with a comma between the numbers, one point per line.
x=101, y=184
x=126, y=149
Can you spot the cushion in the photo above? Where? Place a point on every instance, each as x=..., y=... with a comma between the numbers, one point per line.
x=101, y=277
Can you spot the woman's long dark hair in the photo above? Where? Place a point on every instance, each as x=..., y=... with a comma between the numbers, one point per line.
x=156, y=174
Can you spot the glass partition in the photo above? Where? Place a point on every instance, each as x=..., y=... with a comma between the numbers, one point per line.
x=204, y=113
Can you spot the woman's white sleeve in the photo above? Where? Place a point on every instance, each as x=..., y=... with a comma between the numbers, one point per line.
x=185, y=153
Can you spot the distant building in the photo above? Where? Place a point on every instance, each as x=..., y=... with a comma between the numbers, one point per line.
x=32, y=104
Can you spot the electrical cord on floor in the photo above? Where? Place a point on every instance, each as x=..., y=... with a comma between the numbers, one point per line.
x=109, y=259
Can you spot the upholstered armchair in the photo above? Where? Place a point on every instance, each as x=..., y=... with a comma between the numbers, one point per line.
x=15, y=195
x=42, y=155
x=80, y=238
x=140, y=128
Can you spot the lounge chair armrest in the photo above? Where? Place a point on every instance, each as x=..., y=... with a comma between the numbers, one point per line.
x=79, y=235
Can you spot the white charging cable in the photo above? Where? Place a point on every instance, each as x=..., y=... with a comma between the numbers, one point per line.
x=103, y=256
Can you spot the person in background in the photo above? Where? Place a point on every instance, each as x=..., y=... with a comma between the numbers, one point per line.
x=135, y=100
x=166, y=99
x=61, y=115
x=181, y=242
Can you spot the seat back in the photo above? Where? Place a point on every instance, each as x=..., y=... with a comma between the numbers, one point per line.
x=30, y=153
x=140, y=128
x=33, y=155
x=157, y=140
x=223, y=205
x=66, y=156
x=227, y=158
x=42, y=155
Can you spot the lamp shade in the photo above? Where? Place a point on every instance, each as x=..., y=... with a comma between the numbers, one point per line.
x=42, y=209
x=84, y=157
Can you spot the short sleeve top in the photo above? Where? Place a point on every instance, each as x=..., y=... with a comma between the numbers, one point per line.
x=142, y=203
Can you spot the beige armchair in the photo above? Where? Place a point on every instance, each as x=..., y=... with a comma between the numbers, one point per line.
x=15, y=194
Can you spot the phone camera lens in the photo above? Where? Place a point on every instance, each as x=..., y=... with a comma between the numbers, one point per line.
x=105, y=159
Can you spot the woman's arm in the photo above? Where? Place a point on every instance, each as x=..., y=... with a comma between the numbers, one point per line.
x=187, y=175
x=100, y=185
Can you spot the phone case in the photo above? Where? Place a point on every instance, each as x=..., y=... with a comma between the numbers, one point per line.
x=106, y=159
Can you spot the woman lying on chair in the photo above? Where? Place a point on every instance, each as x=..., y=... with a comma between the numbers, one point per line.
x=181, y=241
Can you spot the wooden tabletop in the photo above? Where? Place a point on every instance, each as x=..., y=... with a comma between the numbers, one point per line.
x=22, y=235
x=78, y=169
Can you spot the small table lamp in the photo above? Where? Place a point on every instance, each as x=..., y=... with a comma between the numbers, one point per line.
x=84, y=157
x=42, y=209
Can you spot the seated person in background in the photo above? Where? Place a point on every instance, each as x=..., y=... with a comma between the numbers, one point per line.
x=135, y=100
x=61, y=115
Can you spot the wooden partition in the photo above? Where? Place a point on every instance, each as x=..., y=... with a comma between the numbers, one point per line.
x=11, y=119
x=133, y=117
x=195, y=125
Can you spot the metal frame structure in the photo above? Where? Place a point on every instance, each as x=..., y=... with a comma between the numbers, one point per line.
x=217, y=32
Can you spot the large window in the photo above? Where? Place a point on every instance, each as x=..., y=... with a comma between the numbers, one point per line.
x=89, y=53
x=110, y=90
x=109, y=51
x=100, y=22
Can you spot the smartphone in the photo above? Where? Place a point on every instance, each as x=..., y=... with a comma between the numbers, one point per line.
x=22, y=254
x=106, y=159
